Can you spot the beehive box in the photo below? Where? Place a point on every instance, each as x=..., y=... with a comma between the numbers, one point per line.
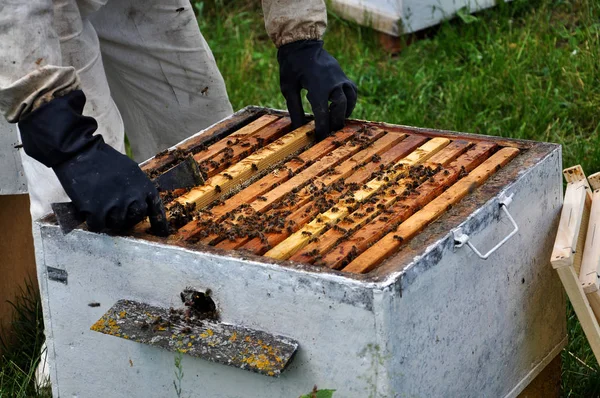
x=396, y=17
x=357, y=247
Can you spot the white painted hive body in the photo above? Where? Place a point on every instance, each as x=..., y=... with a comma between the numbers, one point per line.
x=396, y=17
x=433, y=320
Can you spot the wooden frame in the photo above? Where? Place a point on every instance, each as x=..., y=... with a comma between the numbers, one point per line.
x=271, y=192
x=414, y=224
x=576, y=253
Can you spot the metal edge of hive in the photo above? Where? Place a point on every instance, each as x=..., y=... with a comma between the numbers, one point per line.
x=437, y=237
x=393, y=267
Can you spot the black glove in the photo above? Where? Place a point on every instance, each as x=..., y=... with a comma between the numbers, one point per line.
x=109, y=189
x=305, y=64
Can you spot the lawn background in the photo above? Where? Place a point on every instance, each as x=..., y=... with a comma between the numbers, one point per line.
x=527, y=69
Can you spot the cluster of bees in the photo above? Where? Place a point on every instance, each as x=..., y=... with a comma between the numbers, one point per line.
x=245, y=222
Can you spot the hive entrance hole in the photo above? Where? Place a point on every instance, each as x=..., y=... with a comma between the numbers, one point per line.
x=199, y=303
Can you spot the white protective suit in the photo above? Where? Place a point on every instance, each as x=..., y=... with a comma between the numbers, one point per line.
x=143, y=64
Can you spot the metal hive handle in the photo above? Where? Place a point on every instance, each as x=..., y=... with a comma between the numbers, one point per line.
x=461, y=238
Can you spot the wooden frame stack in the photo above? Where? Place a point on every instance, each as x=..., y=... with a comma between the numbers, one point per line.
x=346, y=203
x=576, y=253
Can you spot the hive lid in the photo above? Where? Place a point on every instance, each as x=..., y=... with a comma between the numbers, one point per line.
x=354, y=203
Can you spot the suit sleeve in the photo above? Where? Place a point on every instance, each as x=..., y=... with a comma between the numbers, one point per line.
x=31, y=71
x=287, y=21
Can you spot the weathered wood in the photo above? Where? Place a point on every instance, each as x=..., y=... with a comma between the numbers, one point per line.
x=238, y=148
x=583, y=310
x=572, y=226
x=399, y=207
x=272, y=179
x=223, y=182
x=568, y=254
x=246, y=131
x=173, y=330
x=576, y=174
x=301, y=179
x=301, y=237
x=326, y=180
x=450, y=153
x=366, y=212
x=360, y=159
x=265, y=202
x=387, y=245
x=594, y=181
x=402, y=208
x=310, y=210
x=316, y=169
x=396, y=153
x=589, y=274
x=302, y=215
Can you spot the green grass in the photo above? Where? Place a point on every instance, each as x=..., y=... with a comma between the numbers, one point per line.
x=527, y=69
x=22, y=354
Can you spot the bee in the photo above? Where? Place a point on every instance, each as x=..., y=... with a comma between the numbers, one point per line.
x=306, y=233
x=261, y=198
x=218, y=188
x=204, y=91
x=312, y=253
x=398, y=238
x=228, y=176
x=336, y=227
x=186, y=330
x=254, y=167
x=94, y=304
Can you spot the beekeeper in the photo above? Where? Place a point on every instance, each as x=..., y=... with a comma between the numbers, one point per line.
x=75, y=75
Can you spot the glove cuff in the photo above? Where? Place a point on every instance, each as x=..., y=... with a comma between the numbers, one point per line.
x=295, y=47
x=57, y=131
